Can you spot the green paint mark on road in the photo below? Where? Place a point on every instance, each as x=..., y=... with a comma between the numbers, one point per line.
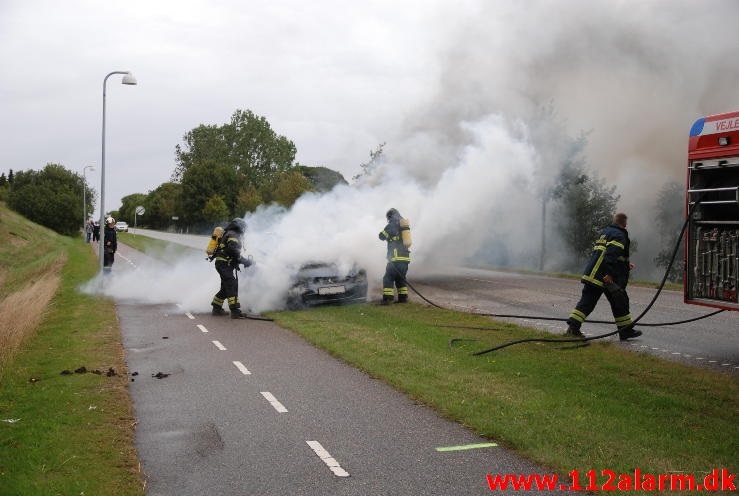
x=466, y=447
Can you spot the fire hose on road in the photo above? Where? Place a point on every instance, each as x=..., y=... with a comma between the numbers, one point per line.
x=583, y=340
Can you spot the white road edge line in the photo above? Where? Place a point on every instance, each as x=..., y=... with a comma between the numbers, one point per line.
x=219, y=345
x=327, y=459
x=190, y=316
x=202, y=328
x=273, y=401
x=241, y=367
x=126, y=259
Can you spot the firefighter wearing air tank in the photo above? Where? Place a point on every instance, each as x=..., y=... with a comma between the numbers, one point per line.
x=228, y=257
x=397, y=233
x=607, y=272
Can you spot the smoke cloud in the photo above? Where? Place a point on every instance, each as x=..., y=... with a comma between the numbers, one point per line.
x=468, y=165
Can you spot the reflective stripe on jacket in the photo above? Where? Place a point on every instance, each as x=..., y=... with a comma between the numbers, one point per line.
x=396, y=252
x=229, y=248
x=610, y=256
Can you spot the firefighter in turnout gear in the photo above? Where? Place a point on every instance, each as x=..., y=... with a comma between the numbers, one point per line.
x=110, y=241
x=228, y=257
x=607, y=272
x=397, y=235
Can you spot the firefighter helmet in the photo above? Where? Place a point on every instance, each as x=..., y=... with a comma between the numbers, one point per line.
x=109, y=220
x=392, y=214
x=239, y=225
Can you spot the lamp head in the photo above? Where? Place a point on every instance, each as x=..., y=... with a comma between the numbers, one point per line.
x=129, y=79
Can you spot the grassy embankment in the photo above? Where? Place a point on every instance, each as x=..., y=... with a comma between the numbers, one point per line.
x=59, y=433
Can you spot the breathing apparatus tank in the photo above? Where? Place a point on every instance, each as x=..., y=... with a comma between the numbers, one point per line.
x=405, y=232
x=210, y=250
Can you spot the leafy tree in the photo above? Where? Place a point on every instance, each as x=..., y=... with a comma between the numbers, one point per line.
x=162, y=204
x=584, y=205
x=247, y=145
x=201, y=182
x=248, y=200
x=4, y=187
x=669, y=217
x=127, y=212
x=290, y=186
x=215, y=210
x=50, y=197
x=240, y=162
x=322, y=178
x=11, y=176
x=375, y=159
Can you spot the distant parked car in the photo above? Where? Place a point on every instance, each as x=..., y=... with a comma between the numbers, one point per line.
x=121, y=226
x=319, y=283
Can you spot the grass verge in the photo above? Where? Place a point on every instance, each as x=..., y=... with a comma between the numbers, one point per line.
x=157, y=248
x=67, y=433
x=597, y=407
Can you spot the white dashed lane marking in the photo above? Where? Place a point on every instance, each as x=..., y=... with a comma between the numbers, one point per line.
x=126, y=259
x=685, y=355
x=242, y=368
x=324, y=455
x=219, y=345
x=202, y=328
x=190, y=316
x=273, y=401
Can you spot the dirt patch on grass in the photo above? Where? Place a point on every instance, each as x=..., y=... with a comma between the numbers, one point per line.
x=23, y=310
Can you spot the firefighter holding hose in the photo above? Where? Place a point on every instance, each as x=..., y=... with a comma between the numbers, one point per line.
x=397, y=233
x=228, y=257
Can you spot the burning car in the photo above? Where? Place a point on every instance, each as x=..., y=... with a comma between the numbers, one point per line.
x=320, y=283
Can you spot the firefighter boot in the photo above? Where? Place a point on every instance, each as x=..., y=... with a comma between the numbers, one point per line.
x=573, y=332
x=402, y=298
x=218, y=311
x=386, y=299
x=236, y=313
x=628, y=332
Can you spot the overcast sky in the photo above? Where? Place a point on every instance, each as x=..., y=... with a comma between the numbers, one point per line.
x=339, y=77
x=333, y=76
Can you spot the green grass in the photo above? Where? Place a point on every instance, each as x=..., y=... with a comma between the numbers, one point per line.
x=74, y=433
x=597, y=407
x=27, y=250
x=157, y=248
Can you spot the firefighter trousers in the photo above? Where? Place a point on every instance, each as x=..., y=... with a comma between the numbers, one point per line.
x=618, y=299
x=394, y=277
x=229, y=286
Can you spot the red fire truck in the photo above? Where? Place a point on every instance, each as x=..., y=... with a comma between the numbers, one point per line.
x=712, y=210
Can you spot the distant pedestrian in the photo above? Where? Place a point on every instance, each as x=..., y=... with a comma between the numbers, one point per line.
x=607, y=272
x=96, y=231
x=88, y=231
x=110, y=240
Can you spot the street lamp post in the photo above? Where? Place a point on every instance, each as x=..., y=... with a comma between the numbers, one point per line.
x=127, y=79
x=84, y=200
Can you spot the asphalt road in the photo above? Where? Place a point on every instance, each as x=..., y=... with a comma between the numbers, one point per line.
x=708, y=343
x=245, y=407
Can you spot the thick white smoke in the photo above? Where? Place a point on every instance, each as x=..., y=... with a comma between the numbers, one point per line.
x=449, y=221
x=469, y=164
